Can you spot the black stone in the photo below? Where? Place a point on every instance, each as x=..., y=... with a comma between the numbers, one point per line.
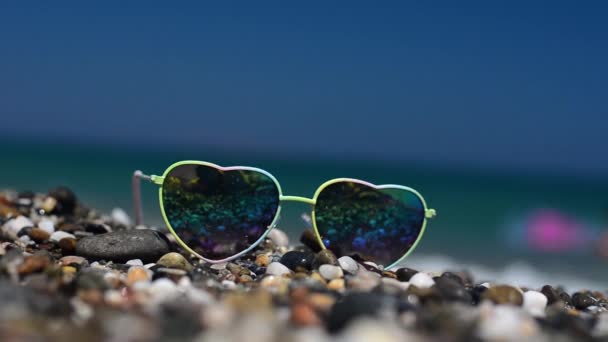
x=296, y=261
x=96, y=228
x=404, y=273
x=66, y=200
x=452, y=290
x=476, y=293
x=122, y=246
x=351, y=307
x=455, y=277
x=582, y=300
x=555, y=294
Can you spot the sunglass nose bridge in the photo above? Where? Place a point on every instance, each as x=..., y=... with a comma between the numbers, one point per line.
x=297, y=199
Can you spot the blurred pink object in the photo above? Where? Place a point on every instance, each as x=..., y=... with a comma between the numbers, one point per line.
x=549, y=230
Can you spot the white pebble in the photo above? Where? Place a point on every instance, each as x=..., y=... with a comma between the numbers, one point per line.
x=13, y=226
x=348, y=264
x=58, y=235
x=276, y=268
x=403, y=285
x=506, y=323
x=535, y=303
x=330, y=272
x=278, y=237
x=47, y=225
x=121, y=217
x=135, y=262
x=150, y=265
x=228, y=284
x=422, y=280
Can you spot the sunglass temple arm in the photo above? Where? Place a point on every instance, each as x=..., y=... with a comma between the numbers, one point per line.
x=136, y=190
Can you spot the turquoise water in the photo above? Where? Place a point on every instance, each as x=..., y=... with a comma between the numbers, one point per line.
x=474, y=206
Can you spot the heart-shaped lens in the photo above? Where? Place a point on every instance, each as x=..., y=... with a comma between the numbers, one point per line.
x=219, y=212
x=377, y=223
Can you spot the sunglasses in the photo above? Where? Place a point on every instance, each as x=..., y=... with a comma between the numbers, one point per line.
x=221, y=213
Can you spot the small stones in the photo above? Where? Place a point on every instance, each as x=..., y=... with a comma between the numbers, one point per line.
x=303, y=314
x=348, y=264
x=504, y=294
x=175, y=260
x=120, y=246
x=422, y=280
x=296, y=260
x=324, y=257
x=582, y=300
x=73, y=260
x=47, y=225
x=277, y=269
x=352, y=307
x=58, y=235
x=330, y=272
x=535, y=303
x=13, y=226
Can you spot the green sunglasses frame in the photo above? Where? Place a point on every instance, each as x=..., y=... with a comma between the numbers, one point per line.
x=159, y=180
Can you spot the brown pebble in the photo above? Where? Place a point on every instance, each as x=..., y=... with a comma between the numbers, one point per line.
x=244, y=279
x=175, y=260
x=309, y=239
x=73, y=259
x=504, y=294
x=137, y=273
x=70, y=227
x=39, y=235
x=325, y=257
x=389, y=274
x=33, y=263
x=318, y=277
x=262, y=260
x=304, y=315
x=91, y=296
x=67, y=245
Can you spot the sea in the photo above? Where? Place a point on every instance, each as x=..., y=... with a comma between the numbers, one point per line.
x=482, y=213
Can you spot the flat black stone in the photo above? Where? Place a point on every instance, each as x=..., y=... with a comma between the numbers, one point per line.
x=124, y=245
x=404, y=273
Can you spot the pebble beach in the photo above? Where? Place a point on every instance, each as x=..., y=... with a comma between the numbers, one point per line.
x=69, y=272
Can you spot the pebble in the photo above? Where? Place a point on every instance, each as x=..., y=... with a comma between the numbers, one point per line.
x=348, y=264
x=582, y=300
x=401, y=285
x=73, y=260
x=47, y=225
x=324, y=257
x=66, y=201
x=58, y=235
x=553, y=295
x=119, y=216
x=135, y=262
x=67, y=245
x=302, y=315
x=309, y=239
x=136, y=274
x=405, y=274
x=504, y=294
x=277, y=269
x=39, y=235
x=13, y=226
x=123, y=245
x=278, y=237
x=422, y=280
x=34, y=263
x=175, y=260
x=296, y=260
x=262, y=260
x=330, y=272
x=337, y=284
x=453, y=290
x=535, y=303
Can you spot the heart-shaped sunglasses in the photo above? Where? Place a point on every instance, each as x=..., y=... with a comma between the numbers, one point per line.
x=220, y=213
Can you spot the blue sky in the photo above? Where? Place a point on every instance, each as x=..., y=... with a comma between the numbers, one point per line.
x=514, y=84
